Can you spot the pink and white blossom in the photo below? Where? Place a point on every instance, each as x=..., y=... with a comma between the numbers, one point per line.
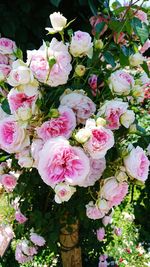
x=61, y=162
x=120, y=82
x=82, y=105
x=37, y=239
x=93, y=212
x=58, y=22
x=63, y=192
x=4, y=71
x=112, y=111
x=137, y=164
x=100, y=142
x=100, y=233
x=113, y=191
x=13, y=137
x=20, y=218
x=7, y=46
x=9, y=182
x=61, y=126
x=81, y=44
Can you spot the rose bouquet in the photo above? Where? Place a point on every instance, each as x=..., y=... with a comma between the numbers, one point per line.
x=70, y=135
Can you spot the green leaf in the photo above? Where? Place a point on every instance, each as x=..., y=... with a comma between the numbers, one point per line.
x=55, y=2
x=19, y=53
x=5, y=106
x=99, y=27
x=92, y=7
x=116, y=26
x=127, y=51
x=119, y=10
x=143, y=33
x=146, y=69
x=116, y=4
x=109, y=59
x=124, y=60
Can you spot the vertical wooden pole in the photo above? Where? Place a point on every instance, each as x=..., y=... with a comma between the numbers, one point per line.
x=70, y=251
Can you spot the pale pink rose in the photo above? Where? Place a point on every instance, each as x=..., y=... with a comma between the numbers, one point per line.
x=63, y=192
x=9, y=182
x=13, y=137
x=100, y=233
x=113, y=191
x=20, y=256
x=100, y=142
x=117, y=231
x=141, y=15
x=137, y=164
x=107, y=220
x=97, y=167
x=58, y=54
x=93, y=212
x=103, y=205
x=37, y=239
x=36, y=147
x=4, y=59
x=24, y=253
x=4, y=71
x=112, y=111
x=119, y=39
x=145, y=47
x=17, y=99
x=61, y=126
x=20, y=218
x=24, y=158
x=81, y=44
x=103, y=261
x=20, y=74
x=82, y=105
x=120, y=82
x=96, y=20
x=7, y=46
x=59, y=162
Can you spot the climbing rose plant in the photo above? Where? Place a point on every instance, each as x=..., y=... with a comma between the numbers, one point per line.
x=70, y=135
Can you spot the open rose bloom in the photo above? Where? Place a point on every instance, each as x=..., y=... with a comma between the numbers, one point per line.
x=70, y=112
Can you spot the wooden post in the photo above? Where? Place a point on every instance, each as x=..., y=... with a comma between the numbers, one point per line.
x=70, y=251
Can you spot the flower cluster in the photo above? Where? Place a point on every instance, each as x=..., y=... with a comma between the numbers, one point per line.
x=79, y=139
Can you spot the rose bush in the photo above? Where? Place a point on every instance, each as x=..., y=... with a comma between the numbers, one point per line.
x=69, y=117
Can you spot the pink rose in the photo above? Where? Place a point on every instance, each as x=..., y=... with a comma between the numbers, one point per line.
x=97, y=167
x=59, y=162
x=63, y=192
x=113, y=191
x=55, y=74
x=107, y=220
x=93, y=212
x=145, y=47
x=24, y=158
x=112, y=111
x=7, y=46
x=61, y=126
x=100, y=142
x=103, y=261
x=37, y=239
x=82, y=105
x=24, y=253
x=141, y=15
x=9, y=182
x=17, y=99
x=13, y=137
x=100, y=233
x=4, y=59
x=137, y=164
x=20, y=217
x=4, y=71
x=81, y=44
x=120, y=82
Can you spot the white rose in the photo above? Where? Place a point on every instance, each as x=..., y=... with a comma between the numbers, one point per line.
x=24, y=113
x=81, y=44
x=58, y=22
x=103, y=205
x=20, y=74
x=120, y=82
x=136, y=59
x=63, y=192
x=127, y=118
x=138, y=93
x=83, y=135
